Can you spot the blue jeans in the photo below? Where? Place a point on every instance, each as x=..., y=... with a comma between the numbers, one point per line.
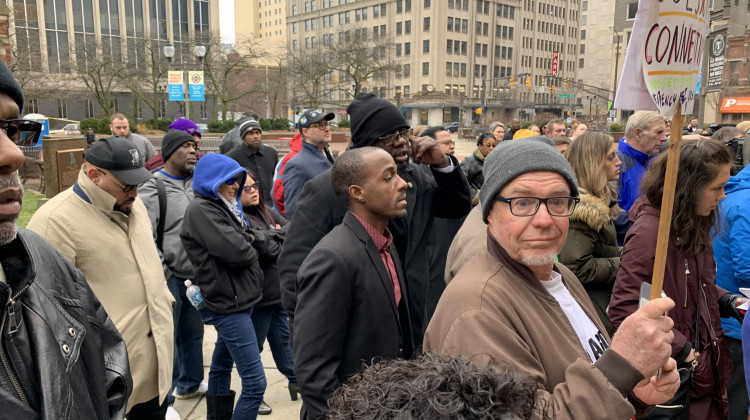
x=187, y=372
x=271, y=322
x=236, y=344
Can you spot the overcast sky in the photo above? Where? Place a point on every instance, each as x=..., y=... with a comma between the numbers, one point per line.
x=226, y=21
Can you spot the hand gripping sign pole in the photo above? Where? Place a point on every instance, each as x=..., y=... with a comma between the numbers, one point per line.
x=660, y=73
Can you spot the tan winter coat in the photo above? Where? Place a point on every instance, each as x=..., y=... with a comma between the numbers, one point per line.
x=496, y=312
x=591, y=252
x=118, y=256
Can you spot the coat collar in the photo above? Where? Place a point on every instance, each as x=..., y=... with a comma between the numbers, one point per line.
x=98, y=198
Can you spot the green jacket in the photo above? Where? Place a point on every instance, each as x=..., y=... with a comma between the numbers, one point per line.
x=591, y=252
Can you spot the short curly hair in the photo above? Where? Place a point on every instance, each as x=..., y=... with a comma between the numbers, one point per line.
x=435, y=387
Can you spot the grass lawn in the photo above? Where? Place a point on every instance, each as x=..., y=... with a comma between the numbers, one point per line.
x=28, y=208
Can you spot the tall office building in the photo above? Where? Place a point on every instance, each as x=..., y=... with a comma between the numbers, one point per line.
x=457, y=56
x=49, y=38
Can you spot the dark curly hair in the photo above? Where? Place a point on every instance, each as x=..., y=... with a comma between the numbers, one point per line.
x=700, y=163
x=435, y=387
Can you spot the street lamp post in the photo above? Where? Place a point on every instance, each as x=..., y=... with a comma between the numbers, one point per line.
x=617, y=62
x=200, y=52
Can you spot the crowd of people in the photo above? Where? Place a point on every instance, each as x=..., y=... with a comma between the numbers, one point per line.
x=393, y=281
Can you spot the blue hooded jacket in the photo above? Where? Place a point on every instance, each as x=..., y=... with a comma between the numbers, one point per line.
x=214, y=169
x=732, y=243
x=634, y=164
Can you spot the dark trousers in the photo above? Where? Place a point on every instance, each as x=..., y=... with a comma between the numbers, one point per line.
x=271, y=322
x=150, y=410
x=736, y=390
x=187, y=368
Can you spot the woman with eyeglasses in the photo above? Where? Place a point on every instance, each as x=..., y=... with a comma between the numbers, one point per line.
x=690, y=272
x=590, y=249
x=227, y=270
x=269, y=318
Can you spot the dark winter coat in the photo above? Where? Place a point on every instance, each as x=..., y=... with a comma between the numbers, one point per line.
x=591, y=252
x=685, y=277
x=60, y=344
x=268, y=241
x=261, y=162
x=472, y=166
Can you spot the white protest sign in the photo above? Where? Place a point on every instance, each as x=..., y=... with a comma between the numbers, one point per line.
x=664, y=56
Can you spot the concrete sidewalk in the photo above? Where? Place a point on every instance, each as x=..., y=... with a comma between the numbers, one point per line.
x=277, y=394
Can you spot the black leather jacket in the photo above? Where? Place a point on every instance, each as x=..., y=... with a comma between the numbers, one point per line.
x=61, y=355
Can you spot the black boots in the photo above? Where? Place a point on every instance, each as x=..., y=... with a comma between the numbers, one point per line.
x=219, y=407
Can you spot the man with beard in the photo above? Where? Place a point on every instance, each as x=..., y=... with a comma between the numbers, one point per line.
x=312, y=160
x=352, y=298
x=442, y=193
x=120, y=127
x=166, y=197
x=63, y=356
x=103, y=229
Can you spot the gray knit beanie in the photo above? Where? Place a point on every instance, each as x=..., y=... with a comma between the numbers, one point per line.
x=511, y=159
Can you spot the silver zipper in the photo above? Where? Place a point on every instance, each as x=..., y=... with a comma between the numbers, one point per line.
x=3, y=358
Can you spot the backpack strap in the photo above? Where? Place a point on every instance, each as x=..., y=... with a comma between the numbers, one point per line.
x=162, y=192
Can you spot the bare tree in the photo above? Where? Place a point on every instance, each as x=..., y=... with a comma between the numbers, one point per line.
x=26, y=66
x=361, y=57
x=97, y=67
x=145, y=72
x=310, y=70
x=226, y=70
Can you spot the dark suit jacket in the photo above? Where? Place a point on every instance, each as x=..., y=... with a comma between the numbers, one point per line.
x=346, y=314
x=262, y=163
x=429, y=196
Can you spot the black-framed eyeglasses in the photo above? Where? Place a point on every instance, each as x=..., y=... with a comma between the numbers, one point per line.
x=249, y=188
x=528, y=206
x=21, y=132
x=127, y=189
x=389, y=139
x=322, y=125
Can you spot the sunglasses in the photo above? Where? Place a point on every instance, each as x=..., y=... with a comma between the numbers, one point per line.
x=21, y=132
x=235, y=180
x=250, y=188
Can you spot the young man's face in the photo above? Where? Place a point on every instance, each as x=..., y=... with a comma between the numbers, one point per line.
x=120, y=127
x=383, y=189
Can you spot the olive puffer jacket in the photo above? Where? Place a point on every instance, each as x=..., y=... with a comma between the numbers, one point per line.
x=591, y=251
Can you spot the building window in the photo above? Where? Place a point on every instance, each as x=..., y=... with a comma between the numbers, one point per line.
x=583, y=34
x=407, y=27
x=407, y=72
x=426, y=4
x=57, y=36
x=450, y=24
x=407, y=48
x=448, y=69
x=426, y=46
x=632, y=10
x=399, y=28
x=580, y=63
x=449, y=46
x=583, y=20
x=426, y=68
x=427, y=24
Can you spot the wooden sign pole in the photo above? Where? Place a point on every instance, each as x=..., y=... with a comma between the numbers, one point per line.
x=667, y=203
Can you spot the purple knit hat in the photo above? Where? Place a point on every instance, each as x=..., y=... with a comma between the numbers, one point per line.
x=184, y=124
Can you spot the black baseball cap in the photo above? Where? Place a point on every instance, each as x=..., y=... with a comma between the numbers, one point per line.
x=312, y=116
x=119, y=156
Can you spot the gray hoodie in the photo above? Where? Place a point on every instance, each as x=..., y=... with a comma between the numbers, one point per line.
x=179, y=194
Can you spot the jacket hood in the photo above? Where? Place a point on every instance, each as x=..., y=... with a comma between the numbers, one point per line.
x=295, y=144
x=592, y=211
x=643, y=207
x=213, y=170
x=741, y=181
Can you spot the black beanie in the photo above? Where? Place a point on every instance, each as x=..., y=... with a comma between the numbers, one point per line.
x=9, y=86
x=372, y=117
x=172, y=141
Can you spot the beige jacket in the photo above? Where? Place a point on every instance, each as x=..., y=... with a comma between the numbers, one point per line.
x=496, y=312
x=117, y=254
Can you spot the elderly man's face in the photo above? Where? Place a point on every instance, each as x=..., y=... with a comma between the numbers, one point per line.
x=11, y=158
x=535, y=240
x=557, y=129
x=649, y=141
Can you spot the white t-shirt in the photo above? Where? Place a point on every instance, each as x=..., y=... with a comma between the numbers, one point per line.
x=592, y=340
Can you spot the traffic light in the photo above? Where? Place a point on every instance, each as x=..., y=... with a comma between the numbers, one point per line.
x=479, y=111
x=528, y=82
x=552, y=89
x=512, y=81
x=336, y=78
x=567, y=83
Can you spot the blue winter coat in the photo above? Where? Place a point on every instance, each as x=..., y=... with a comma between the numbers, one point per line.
x=732, y=243
x=634, y=164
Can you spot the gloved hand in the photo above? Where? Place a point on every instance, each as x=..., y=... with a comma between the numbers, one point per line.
x=728, y=306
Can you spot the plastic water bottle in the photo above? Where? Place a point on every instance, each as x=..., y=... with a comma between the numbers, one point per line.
x=194, y=295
